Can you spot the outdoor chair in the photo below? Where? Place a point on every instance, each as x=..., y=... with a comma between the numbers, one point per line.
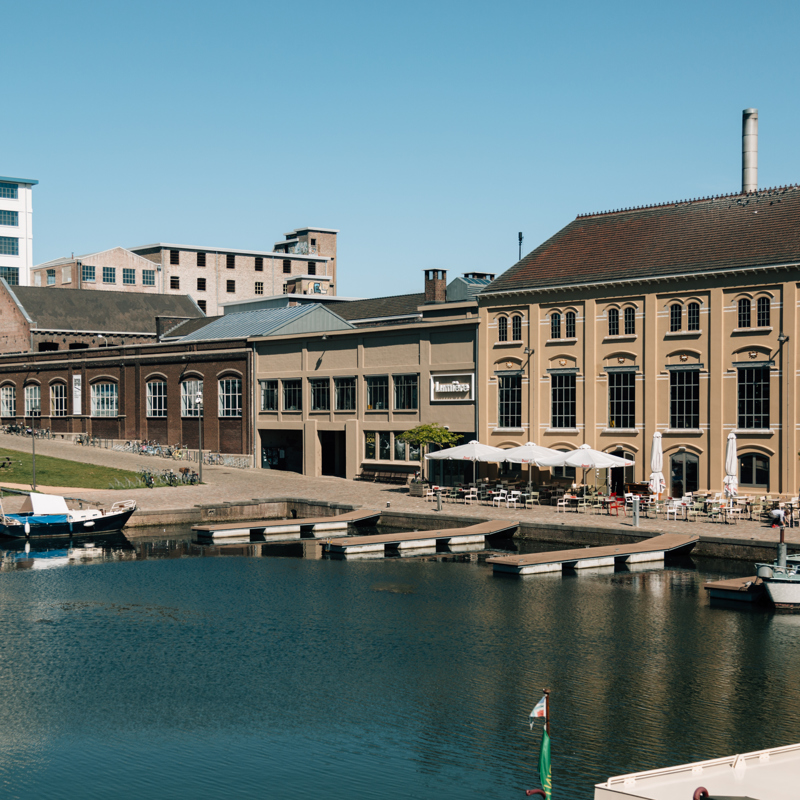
x=673, y=507
x=562, y=504
x=694, y=510
x=471, y=496
x=715, y=512
x=429, y=492
x=513, y=497
x=499, y=497
x=532, y=500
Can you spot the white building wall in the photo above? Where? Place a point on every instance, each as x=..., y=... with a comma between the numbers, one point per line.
x=23, y=232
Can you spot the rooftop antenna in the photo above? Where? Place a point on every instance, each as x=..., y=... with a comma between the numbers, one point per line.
x=520, y=245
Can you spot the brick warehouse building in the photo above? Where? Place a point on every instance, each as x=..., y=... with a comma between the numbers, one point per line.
x=136, y=392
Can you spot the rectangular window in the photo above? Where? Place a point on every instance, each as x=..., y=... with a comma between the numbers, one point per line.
x=684, y=399
x=259, y=264
x=174, y=256
x=345, y=389
x=37, y=278
x=312, y=268
x=259, y=287
x=9, y=191
x=414, y=452
x=9, y=217
x=762, y=312
x=693, y=317
x=201, y=284
x=621, y=399
x=201, y=304
x=8, y=401
x=174, y=282
x=58, y=400
x=675, y=317
x=399, y=450
x=287, y=266
x=9, y=246
x=109, y=274
x=509, y=396
x=754, y=397
x=33, y=400
x=563, y=401
x=87, y=273
x=128, y=276
x=201, y=259
x=51, y=277
x=384, y=442
x=269, y=395
x=630, y=321
x=369, y=444
x=378, y=393
x=406, y=391
x=613, y=322
x=293, y=395
x=66, y=274
x=10, y=275
x=230, y=287
x=230, y=261
x=104, y=400
x=320, y=394
x=157, y=399
x=189, y=392
x=148, y=277
x=230, y=397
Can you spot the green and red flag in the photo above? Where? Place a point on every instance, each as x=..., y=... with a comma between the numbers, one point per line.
x=544, y=764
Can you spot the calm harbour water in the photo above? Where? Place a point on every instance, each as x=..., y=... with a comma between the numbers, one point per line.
x=172, y=676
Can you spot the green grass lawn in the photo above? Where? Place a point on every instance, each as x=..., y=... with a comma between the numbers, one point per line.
x=60, y=472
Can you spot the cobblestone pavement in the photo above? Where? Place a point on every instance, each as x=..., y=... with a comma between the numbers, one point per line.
x=227, y=484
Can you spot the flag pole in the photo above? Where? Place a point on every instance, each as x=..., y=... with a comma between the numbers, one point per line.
x=547, y=710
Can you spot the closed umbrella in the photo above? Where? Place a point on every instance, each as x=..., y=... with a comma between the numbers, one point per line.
x=527, y=454
x=731, y=482
x=472, y=451
x=657, y=482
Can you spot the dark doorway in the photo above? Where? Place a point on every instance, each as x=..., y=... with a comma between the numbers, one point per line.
x=333, y=453
x=282, y=450
x=621, y=475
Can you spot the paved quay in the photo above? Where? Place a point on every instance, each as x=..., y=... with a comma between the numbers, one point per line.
x=230, y=485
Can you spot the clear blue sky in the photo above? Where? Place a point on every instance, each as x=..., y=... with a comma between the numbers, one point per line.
x=428, y=133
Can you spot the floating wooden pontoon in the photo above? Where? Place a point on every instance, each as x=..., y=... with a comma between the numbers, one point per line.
x=263, y=530
x=743, y=590
x=649, y=550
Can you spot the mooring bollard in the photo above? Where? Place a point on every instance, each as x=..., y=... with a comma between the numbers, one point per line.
x=438, y=501
x=636, y=511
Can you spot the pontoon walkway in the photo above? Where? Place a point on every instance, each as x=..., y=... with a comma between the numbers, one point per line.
x=472, y=534
x=287, y=528
x=742, y=590
x=586, y=557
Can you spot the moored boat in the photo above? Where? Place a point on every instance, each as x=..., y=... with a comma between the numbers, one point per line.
x=47, y=515
x=782, y=581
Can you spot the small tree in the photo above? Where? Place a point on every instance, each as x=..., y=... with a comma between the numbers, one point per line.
x=423, y=436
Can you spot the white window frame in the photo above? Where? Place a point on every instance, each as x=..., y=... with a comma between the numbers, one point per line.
x=58, y=399
x=8, y=401
x=156, y=398
x=189, y=390
x=104, y=399
x=230, y=397
x=33, y=400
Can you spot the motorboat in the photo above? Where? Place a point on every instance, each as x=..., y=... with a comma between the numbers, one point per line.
x=782, y=581
x=48, y=515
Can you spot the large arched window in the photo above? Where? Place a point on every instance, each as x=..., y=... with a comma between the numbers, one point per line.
x=516, y=328
x=684, y=474
x=555, y=325
x=569, y=324
x=693, y=317
x=104, y=399
x=744, y=313
x=8, y=401
x=754, y=471
x=190, y=389
x=763, y=312
x=630, y=321
x=502, y=329
x=675, y=317
x=613, y=322
x=157, y=398
x=58, y=399
x=230, y=397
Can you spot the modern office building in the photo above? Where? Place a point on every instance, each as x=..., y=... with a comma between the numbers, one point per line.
x=16, y=229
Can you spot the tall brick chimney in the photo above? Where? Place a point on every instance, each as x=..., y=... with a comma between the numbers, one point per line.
x=435, y=285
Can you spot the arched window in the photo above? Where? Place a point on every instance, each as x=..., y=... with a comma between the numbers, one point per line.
x=104, y=399
x=190, y=389
x=693, y=317
x=58, y=399
x=516, y=328
x=502, y=329
x=157, y=398
x=675, y=317
x=613, y=322
x=744, y=313
x=230, y=397
x=630, y=321
x=569, y=324
x=762, y=311
x=754, y=471
x=8, y=401
x=555, y=326
x=684, y=474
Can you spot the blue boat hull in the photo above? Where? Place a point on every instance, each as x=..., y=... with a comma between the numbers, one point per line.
x=40, y=527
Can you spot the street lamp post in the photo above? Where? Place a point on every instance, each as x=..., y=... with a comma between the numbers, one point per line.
x=35, y=411
x=198, y=401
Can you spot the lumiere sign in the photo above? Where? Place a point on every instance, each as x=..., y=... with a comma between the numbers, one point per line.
x=453, y=387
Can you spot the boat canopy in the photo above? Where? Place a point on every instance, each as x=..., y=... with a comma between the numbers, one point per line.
x=44, y=504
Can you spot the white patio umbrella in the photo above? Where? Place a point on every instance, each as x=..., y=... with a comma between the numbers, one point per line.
x=657, y=482
x=731, y=482
x=527, y=454
x=472, y=451
x=585, y=458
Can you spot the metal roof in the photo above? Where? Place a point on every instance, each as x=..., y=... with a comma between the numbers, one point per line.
x=30, y=181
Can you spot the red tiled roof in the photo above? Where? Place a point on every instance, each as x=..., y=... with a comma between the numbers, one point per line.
x=756, y=229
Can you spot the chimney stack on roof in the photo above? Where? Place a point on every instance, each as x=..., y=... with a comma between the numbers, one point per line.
x=749, y=150
x=435, y=286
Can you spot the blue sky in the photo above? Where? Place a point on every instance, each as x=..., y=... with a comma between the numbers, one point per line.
x=428, y=133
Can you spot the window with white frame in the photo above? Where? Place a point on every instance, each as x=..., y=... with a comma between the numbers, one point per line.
x=563, y=400
x=8, y=401
x=33, y=400
x=51, y=277
x=684, y=399
x=156, y=398
x=406, y=392
x=189, y=391
x=509, y=401
x=762, y=312
x=269, y=395
x=622, y=399
x=58, y=399
x=104, y=399
x=345, y=394
x=230, y=397
x=753, y=397
x=320, y=394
